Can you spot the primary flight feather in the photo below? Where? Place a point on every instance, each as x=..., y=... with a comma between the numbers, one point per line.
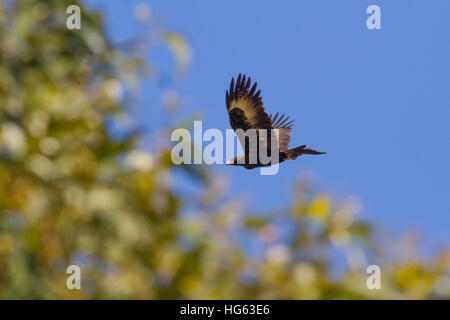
x=246, y=111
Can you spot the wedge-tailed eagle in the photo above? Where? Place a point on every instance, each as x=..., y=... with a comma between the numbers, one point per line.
x=246, y=111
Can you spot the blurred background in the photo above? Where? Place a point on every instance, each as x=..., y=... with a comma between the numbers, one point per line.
x=86, y=176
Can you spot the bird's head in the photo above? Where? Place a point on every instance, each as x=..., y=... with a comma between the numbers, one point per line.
x=231, y=162
x=238, y=161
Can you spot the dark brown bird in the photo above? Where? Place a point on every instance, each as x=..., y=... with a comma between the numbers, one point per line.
x=246, y=111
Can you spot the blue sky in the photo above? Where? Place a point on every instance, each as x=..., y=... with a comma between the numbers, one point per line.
x=378, y=101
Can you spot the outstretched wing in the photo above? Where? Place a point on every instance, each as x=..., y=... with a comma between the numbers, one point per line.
x=245, y=107
x=284, y=130
x=246, y=111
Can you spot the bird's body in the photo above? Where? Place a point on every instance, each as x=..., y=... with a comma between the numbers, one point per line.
x=270, y=134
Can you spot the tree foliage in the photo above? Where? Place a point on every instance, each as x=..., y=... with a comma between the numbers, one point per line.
x=71, y=193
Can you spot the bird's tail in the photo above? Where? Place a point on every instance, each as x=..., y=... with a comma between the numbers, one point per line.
x=296, y=152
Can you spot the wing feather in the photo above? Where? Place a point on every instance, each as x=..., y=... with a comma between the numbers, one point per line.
x=284, y=130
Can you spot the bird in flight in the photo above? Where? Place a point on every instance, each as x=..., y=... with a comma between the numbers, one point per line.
x=246, y=111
